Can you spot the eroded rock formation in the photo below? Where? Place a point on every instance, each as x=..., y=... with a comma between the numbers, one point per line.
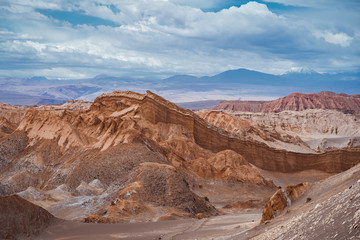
x=283, y=198
x=128, y=141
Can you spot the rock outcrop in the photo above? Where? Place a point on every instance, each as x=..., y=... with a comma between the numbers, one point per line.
x=327, y=210
x=20, y=218
x=13, y=114
x=6, y=127
x=277, y=203
x=283, y=198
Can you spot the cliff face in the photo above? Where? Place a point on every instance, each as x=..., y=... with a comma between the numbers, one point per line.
x=253, y=131
x=124, y=117
x=297, y=102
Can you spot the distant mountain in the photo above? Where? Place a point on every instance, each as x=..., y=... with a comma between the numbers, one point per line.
x=232, y=84
x=16, y=98
x=322, y=100
x=297, y=102
x=199, y=104
x=242, y=106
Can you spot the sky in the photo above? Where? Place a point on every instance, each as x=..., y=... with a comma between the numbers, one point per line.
x=63, y=39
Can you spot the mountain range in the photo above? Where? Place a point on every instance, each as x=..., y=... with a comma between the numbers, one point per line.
x=233, y=84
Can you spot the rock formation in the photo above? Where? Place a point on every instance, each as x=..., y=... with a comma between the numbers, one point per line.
x=118, y=118
x=250, y=130
x=297, y=102
x=124, y=139
x=283, y=198
x=142, y=145
x=228, y=165
x=20, y=218
x=329, y=209
x=13, y=114
x=322, y=100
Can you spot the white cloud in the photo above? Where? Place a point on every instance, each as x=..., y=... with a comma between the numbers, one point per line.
x=169, y=37
x=341, y=39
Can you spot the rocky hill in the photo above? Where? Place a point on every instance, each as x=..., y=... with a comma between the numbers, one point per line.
x=138, y=157
x=297, y=102
x=21, y=219
x=78, y=164
x=328, y=209
x=322, y=100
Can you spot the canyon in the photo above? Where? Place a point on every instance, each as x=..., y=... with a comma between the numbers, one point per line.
x=131, y=158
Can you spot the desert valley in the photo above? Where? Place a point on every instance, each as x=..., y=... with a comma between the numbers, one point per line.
x=136, y=166
x=176, y=119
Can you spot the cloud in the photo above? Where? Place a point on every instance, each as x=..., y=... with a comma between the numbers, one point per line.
x=341, y=39
x=152, y=38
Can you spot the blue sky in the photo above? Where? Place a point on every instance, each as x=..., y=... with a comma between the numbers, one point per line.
x=158, y=38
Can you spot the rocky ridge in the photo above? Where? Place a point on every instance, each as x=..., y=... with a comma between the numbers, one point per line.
x=322, y=130
x=322, y=100
x=297, y=102
x=250, y=130
x=124, y=140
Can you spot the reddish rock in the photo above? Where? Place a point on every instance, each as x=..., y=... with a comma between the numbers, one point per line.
x=19, y=217
x=321, y=100
x=297, y=102
x=282, y=199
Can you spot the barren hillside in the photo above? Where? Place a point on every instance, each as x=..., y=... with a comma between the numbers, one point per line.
x=138, y=157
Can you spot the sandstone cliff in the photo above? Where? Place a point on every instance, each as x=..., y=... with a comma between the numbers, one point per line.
x=250, y=129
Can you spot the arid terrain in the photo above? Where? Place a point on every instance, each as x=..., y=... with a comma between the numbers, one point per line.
x=136, y=166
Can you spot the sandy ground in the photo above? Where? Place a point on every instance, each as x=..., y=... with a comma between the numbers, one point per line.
x=285, y=179
x=210, y=228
